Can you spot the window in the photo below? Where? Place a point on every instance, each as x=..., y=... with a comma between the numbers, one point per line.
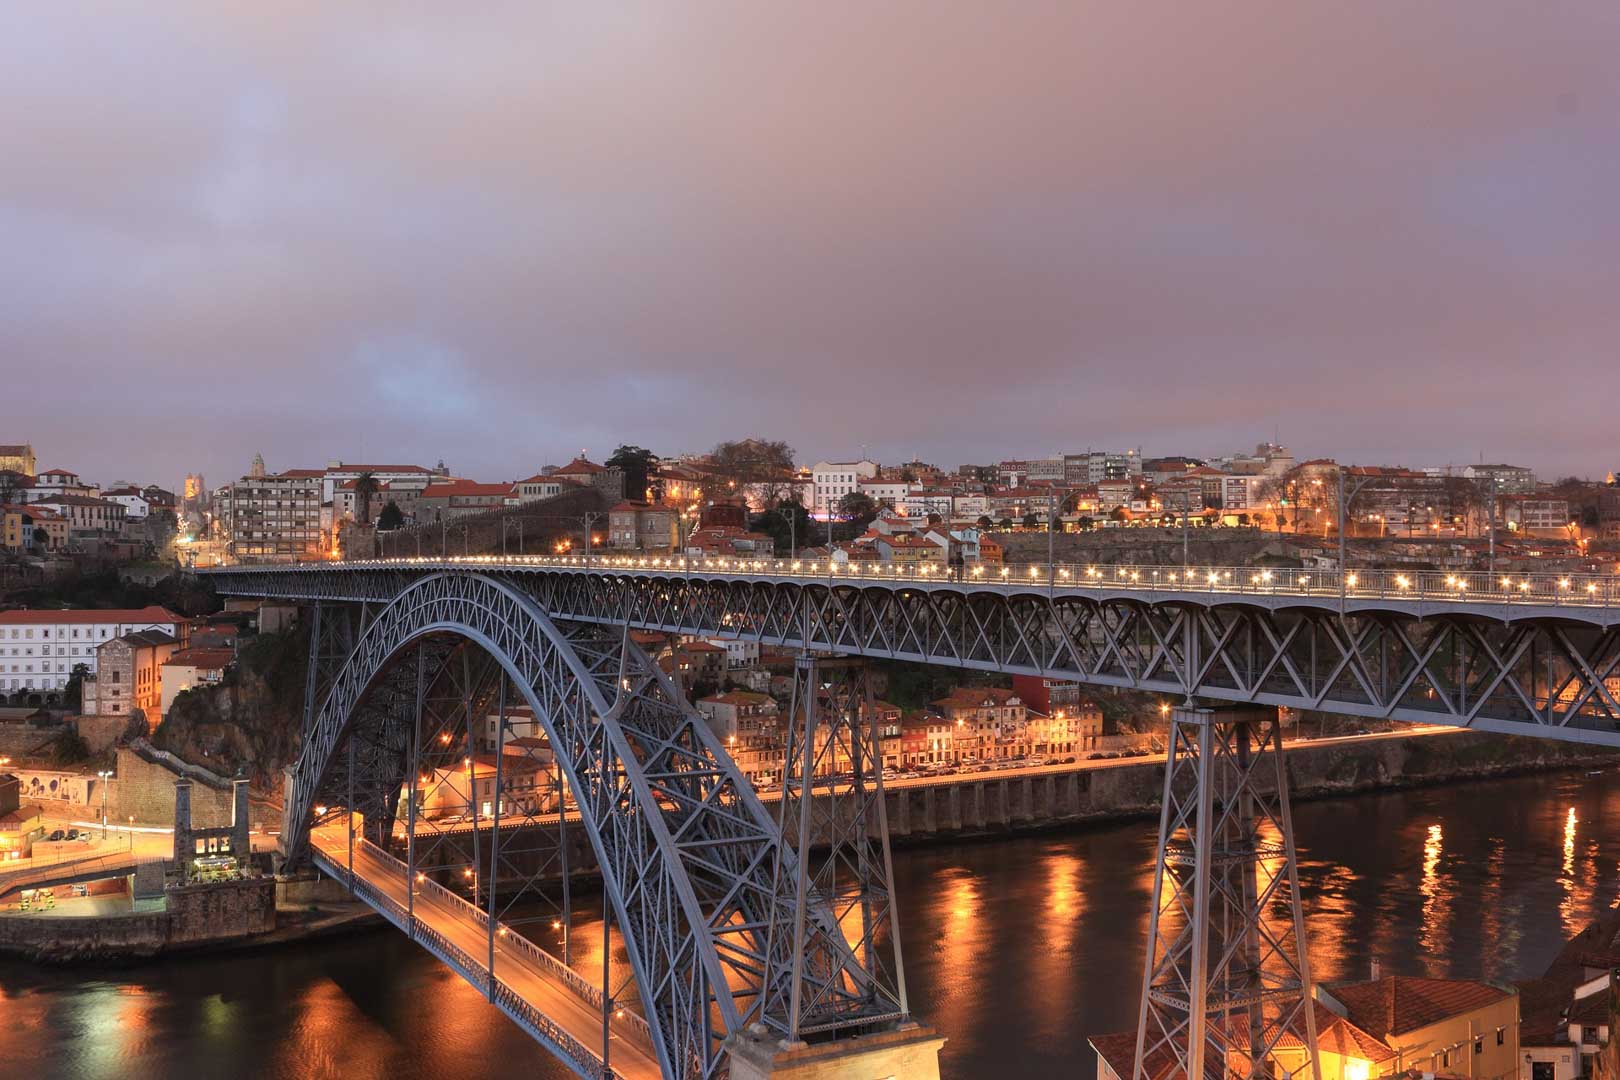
x=1499, y=1036
x=1479, y=1045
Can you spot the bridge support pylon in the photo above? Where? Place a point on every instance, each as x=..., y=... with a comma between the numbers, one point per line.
x=834, y=860
x=1227, y=983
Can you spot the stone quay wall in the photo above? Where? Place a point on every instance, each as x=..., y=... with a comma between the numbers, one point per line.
x=196, y=915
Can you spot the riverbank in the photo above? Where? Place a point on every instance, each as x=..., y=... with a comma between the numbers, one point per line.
x=987, y=805
x=967, y=807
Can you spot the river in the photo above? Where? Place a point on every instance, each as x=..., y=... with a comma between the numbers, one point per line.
x=1015, y=949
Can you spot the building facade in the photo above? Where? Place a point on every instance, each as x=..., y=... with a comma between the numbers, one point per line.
x=273, y=518
x=129, y=676
x=39, y=649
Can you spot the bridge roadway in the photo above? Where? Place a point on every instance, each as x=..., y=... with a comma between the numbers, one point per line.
x=530, y=986
x=1527, y=654
x=1593, y=598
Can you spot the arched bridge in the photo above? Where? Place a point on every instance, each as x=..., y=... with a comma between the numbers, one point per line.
x=398, y=760
x=459, y=830
x=1526, y=654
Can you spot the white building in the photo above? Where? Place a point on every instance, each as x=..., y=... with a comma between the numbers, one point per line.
x=832, y=480
x=60, y=482
x=919, y=504
x=338, y=472
x=969, y=507
x=739, y=653
x=535, y=488
x=39, y=649
x=136, y=508
x=889, y=492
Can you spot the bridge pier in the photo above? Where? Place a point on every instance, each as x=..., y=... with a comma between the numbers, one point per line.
x=1227, y=975
x=908, y=1052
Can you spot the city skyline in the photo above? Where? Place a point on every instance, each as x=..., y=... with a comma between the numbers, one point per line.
x=968, y=236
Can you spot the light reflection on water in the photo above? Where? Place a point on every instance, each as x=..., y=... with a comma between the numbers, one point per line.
x=1015, y=949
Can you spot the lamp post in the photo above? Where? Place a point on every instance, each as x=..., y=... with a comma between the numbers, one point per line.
x=104, y=774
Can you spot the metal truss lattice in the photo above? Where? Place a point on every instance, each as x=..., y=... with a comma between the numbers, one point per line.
x=1514, y=670
x=832, y=801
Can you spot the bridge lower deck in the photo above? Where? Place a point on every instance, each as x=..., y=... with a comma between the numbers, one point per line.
x=525, y=985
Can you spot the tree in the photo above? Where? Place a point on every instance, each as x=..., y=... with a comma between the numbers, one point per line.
x=1119, y=513
x=365, y=489
x=1032, y=521
x=984, y=521
x=11, y=486
x=73, y=692
x=788, y=523
x=1085, y=523
x=640, y=468
x=753, y=461
x=70, y=748
x=391, y=517
x=858, y=508
x=1005, y=523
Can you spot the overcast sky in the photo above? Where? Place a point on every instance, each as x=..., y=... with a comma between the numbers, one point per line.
x=967, y=231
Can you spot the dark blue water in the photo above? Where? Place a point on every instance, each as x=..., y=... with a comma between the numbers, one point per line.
x=1014, y=949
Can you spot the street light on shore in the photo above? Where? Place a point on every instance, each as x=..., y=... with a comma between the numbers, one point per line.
x=104, y=774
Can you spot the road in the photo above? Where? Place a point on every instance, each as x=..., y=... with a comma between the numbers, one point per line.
x=630, y=1055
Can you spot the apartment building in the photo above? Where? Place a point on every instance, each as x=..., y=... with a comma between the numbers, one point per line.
x=39, y=649
x=272, y=517
x=832, y=480
x=749, y=725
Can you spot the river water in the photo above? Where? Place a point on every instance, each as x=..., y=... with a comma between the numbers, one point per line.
x=1015, y=949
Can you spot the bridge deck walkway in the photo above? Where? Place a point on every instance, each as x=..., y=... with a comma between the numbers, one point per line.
x=631, y=1054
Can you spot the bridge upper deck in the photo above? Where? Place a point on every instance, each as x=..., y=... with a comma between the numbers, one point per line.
x=1593, y=599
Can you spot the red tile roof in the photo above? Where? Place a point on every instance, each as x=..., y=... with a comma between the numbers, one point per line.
x=37, y=617
x=1118, y=1049
x=1337, y=1035
x=1397, y=1004
x=74, y=500
x=211, y=659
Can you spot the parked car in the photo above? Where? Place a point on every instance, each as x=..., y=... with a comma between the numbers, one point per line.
x=73, y=834
x=1093, y=757
x=55, y=836
x=1068, y=761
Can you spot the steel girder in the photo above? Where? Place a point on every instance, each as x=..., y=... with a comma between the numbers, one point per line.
x=1558, y=678
x=686, y=850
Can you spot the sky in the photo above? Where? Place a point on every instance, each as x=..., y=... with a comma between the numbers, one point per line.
x=503, y=233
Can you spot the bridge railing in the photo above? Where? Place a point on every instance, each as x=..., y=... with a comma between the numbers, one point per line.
x=516, y=943
x=1508, y=589
x=474, y=971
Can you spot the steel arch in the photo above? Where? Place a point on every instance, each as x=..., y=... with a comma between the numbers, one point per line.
x=686, y=850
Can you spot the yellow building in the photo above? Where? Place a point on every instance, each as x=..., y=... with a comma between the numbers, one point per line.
x=18, y=458
x=911, y=551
